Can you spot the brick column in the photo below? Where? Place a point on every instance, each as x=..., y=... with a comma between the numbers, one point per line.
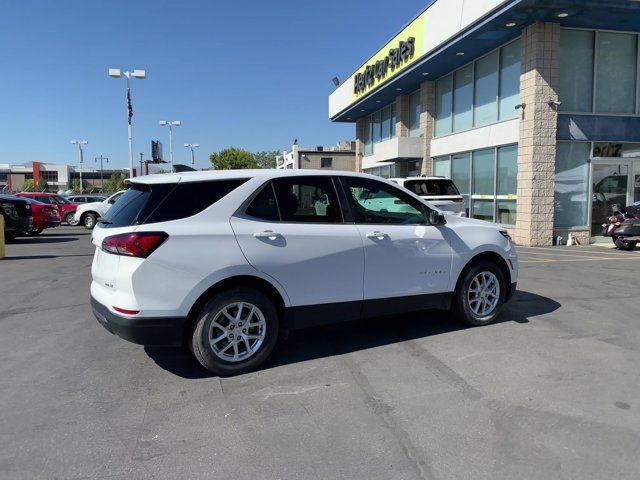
x=359, y=144
x=402, y=116
x=427, y=116
x=538, y=126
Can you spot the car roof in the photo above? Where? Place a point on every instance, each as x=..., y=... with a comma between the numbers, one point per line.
x=267, y=173
x=418, y=178
x=4, y=196
x=48, y=194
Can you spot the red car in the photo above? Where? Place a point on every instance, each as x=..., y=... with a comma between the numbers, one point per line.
x=44, y=216
x=66, y=209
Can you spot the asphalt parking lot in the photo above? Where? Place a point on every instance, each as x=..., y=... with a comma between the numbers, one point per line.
x=551, y=391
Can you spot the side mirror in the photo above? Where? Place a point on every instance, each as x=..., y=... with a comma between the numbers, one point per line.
x=436, y=218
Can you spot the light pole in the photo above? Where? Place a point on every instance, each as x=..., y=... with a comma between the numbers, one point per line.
x=175, y=123
x=101, y=158
x=80, y=143
x=192, y=147
x=141, y=75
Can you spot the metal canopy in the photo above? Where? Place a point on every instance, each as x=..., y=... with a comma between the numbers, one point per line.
x=492, y=32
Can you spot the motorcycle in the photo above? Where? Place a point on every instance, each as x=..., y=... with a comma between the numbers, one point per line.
x=623, y=226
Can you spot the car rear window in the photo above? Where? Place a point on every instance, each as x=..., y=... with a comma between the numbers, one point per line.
x=142, y=203
x=432, y=187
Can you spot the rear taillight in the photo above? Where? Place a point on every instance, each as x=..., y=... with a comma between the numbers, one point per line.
x=139, y=245
x=126, y=311
x=615, y=220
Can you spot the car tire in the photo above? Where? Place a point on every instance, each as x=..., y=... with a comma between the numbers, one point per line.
x=225, y=314
x=70, y=219
x=622, y=245
x=34, y=232
x=10, y=236
x=90, y=221
x=476, y=300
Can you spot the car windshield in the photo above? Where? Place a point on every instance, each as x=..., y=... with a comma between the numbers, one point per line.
x=432, y=187
x=59, y=199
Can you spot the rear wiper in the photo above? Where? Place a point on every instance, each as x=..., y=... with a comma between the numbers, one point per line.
x=106, y=222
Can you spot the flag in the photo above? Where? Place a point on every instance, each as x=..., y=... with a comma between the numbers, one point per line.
x=129, y=107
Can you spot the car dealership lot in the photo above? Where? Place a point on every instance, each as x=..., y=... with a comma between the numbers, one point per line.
x=549, y=392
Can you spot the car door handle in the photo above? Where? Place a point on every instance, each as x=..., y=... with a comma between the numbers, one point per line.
x=267, y=234
x=378, y=235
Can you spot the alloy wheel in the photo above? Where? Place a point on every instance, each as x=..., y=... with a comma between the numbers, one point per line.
x=237, y=331
x=483, y=294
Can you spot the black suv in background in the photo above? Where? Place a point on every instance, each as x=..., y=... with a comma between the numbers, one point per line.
x=18, y=217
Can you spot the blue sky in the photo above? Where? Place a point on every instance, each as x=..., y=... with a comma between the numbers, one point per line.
x=250, y=74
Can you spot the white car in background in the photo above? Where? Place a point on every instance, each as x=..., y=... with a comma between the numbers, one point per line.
x=227, y=261
x=438, y=191
x=88, y=214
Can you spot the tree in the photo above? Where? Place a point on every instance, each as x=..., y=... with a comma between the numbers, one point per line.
x=75, y=185
x=27, y=186
x=115, y=183
x=266, y=159
x=232, y=159
x=42, y=185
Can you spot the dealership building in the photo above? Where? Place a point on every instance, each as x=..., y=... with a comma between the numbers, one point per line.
x=532, y=107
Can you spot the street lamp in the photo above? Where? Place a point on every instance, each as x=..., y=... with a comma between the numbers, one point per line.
x=192, y=147
x=101, y=158
x=141, y=75
x=175, y=123
x=80, y=143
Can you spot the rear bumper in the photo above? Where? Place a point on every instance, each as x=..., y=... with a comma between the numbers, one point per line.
x=165, y=331
x=45, y=224
x=18, y=225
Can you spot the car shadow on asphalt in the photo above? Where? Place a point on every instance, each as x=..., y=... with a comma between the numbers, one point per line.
x=43, y=239
x=42, y=257
x=341, y=338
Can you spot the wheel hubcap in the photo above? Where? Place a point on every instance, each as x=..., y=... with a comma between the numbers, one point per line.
x=484, y=293
x=235, y=345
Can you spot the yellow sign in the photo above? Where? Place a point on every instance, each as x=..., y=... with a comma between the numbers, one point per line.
x=401, y=52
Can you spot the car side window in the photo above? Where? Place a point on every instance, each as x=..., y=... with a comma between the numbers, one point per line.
x=374, y=202
x=310, y=199
x=264, y=206
x=44, y=199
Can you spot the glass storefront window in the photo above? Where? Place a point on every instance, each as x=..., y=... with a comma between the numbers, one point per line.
x=463, y=99
x=442, y=167
x=484, y=176
x=414, y=114
x=576, y=62
x=483, y=210
x=367, y=140
x=386, y=123
x=616, y=72
x=487, y=180
x=376, y=120
x=461, y=174
x=507, y=212
x=393, y=120
x=444, y=106
x=507, y=170
x=486, y=108
x=414, y=168
x=509, y=80
x=483, y=184
x=379, y=126
x=571, y=185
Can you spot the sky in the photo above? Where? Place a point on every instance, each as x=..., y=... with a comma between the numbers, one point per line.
x=246, y=73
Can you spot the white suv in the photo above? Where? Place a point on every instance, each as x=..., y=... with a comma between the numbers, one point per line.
x=438, y=191
x=227, y=261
